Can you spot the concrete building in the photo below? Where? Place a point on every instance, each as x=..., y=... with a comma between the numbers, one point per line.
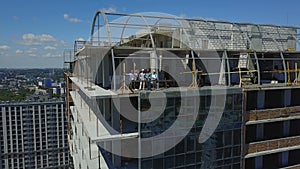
x=226, y=95
x=33, y=135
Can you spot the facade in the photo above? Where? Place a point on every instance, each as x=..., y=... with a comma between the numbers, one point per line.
x=225, y=97
x=33, y=135
x=272, y=128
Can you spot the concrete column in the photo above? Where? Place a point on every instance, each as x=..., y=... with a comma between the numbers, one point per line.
x=107, y=111
x=260, y=99
x=21, y=114
x=287, y=97
x=259, y=162
x=115, y=117
x=34, y=133
x=260, y=131
x=46, y=131
x=41, y=137
x=57, y=113
x=2, y=112
x=286, y=128
x=284, y=158
x=63, y=129
x=116, y=145
x=5, y=135
x=153, y=60
x=10, y=131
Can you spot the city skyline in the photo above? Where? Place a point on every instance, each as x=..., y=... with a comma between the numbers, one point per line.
x=34, y=34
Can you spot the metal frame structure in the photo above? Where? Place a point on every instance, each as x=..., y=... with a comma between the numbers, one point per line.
x=211, y=25
x=109, y=31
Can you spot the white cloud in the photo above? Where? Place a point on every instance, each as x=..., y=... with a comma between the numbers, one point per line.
x=36, y=40
x=19, y=51
x=31, y=50
x=64, y=43
x=52, y=55
x=16, y=18
x=74, y=20
x=60, y=43
x=4, y=47
x=66, y=16
x=47, y=55
x=49, y=48
x=32, y=55
x=109, y=10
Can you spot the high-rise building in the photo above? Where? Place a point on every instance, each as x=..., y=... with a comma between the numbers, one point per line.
x=225, y=94
x=33, y=135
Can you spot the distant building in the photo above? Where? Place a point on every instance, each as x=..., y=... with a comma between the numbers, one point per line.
x=40, y=83
x=33, y=135
x=13, y=83
x=21, y=76
x=56, y=90
x=47, y=82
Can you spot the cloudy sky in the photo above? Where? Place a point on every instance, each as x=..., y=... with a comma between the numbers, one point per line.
x=34, y=33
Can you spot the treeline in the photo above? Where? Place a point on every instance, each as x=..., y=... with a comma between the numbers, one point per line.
x=9, y=95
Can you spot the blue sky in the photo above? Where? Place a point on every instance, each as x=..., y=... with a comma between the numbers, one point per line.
x=34, y=33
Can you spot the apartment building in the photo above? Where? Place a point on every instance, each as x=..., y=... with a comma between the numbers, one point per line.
x=33, y=135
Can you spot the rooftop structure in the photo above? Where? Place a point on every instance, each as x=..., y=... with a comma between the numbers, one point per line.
x=221, y=88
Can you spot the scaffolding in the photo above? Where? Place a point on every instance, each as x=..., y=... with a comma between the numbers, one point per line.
x=212, y=52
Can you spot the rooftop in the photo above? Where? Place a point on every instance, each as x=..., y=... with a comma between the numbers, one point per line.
x=185, y=52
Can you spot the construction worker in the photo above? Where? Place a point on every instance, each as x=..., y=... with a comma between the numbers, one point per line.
x=148, y=78
x=154, y=79
x=142, y=80
x=132, y=79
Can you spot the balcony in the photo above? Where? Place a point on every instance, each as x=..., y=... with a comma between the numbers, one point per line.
x=292, y=167
x=272, y=146
x=270, y=115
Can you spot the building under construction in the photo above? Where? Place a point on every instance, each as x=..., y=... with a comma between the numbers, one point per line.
x=225, y=94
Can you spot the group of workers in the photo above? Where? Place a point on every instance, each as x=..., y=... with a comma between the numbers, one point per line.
x=145, y=78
